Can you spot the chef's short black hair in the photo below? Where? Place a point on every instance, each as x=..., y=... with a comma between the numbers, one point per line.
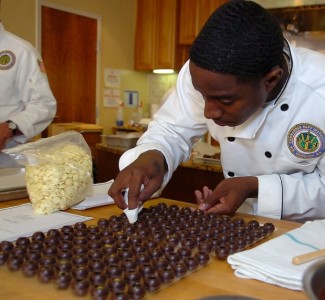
x=240, y=38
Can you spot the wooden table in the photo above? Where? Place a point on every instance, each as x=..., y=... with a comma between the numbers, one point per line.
x=217, y=278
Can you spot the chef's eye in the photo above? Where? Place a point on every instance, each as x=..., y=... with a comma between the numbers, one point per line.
x=226, y=101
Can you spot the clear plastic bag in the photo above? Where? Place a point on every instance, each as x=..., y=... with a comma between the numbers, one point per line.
x=58, y=171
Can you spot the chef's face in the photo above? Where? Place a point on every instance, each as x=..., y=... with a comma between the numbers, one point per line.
x=227, y=102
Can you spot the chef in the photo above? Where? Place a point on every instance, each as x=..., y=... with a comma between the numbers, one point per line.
x=262, y=99
x=27, y=105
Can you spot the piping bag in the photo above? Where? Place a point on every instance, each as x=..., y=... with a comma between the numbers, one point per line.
x=132, y=214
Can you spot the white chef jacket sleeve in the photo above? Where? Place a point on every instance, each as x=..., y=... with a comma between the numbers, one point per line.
x=290, y=196
x=270, y=196
x=176, y=126
x=36, y=96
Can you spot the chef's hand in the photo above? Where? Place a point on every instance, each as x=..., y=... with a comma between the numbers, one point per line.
x=228, y=196
x=147, y=170
x=5, y=133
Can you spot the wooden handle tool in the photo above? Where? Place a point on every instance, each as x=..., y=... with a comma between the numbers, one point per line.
x=303, y=258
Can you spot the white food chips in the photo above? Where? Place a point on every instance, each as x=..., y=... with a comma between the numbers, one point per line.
x=58, y=171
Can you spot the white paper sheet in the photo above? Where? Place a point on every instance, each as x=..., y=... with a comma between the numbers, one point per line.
x=99, y=197
x=20, y=221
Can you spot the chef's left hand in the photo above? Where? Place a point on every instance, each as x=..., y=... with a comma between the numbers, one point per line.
x=228, y=196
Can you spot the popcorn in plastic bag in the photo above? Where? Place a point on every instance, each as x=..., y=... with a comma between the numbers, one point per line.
x=58, y=171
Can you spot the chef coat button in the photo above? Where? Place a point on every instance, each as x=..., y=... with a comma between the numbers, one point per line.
x=231, y=174
x=231, y=139
x=284, y=107
x=268, y=154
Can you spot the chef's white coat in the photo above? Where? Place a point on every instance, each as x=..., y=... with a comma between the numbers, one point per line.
x=25, y=95
x=282, y=145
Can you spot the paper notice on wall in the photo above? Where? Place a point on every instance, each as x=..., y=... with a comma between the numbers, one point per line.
x=112, y=78
x=112, y=97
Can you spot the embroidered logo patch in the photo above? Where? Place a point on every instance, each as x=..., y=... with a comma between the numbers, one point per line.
x=7, y=60
x=306, y=141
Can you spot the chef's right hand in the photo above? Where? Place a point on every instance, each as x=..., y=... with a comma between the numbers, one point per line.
x=147, y=170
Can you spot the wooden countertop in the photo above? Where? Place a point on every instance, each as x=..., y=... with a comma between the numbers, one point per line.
x=188, y=164
x=217, y=278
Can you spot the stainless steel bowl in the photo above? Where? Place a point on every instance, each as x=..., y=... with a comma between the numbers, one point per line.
x=314, y=281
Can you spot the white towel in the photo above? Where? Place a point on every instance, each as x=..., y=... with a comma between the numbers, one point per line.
x=271, y=262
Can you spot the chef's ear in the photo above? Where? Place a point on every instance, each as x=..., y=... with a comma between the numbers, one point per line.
x=272, y=78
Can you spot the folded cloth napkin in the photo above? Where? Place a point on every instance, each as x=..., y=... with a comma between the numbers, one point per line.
x=271, y=262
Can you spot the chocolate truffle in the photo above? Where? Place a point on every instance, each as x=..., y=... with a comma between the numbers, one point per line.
x=53, y=233
x=80, y=226
x=14, y=263
x=45, y=274
x=222, y=252
x=6, y=246
x=99, y=292
x=38, y=236
x=132, y=276
x=22, y=242
x=202, y=257
x=180, y=269
x=98, y=278
x=136, y=291
x=3, y=257
x=117, y=285
x=152, y=283
x=62, y=280
x=33, y=246
x=67, y=229
x=114, y=271
x=166, y=275
x=47, y=260
x=103, y=223
x=192, y=263
x=65, y=245
x=270, y=227
x=80, y=259
x=63, y=265
x=96, y=266
x=80, y=287
x=80, y=272
x=29, y=268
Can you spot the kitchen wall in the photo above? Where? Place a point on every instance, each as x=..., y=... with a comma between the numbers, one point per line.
x=117, y=42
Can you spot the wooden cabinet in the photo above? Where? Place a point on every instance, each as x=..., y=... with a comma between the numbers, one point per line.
x=186, y=179
x=193, y=15
x=156, y=35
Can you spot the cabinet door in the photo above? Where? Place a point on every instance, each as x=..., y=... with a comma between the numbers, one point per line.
x=205, y=9
x=166, y=34
x=155, y=39
x=188, y=25
x=145, y=37
x=193, y=15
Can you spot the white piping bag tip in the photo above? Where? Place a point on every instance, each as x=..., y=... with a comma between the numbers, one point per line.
x=132, y=214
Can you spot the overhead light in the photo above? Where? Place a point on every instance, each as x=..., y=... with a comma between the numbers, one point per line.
x=163, y=71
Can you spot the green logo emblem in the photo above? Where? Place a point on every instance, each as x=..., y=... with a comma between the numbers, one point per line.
x=308, y=142
x=305, y=141
x=7, y=60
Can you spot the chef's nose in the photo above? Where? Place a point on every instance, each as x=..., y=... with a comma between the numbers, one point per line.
x=212, y=110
